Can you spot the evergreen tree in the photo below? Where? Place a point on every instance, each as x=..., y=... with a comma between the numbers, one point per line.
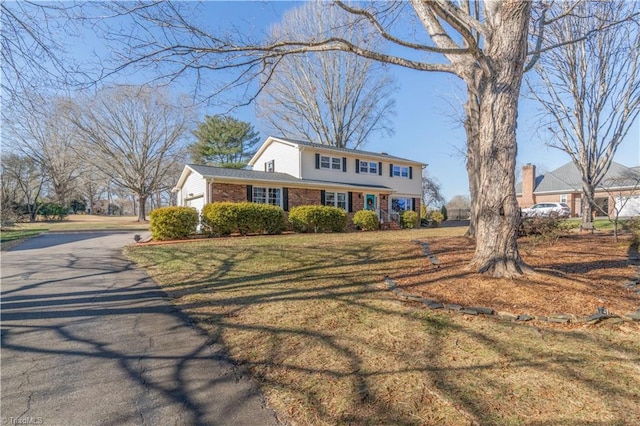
x=224, y=141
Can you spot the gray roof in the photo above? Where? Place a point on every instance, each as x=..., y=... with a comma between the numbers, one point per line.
x=276, y=177
x=568, y=178
x=346, y=150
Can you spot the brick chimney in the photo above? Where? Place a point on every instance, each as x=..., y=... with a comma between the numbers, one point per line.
x=528, y=185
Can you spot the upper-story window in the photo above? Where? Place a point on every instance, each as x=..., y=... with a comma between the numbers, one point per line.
x=368, y=167
x=331, y=163
x=334, y=163
x=402, y=171
x=270, y=166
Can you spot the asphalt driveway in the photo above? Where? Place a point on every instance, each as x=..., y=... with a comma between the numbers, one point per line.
x=89, y=339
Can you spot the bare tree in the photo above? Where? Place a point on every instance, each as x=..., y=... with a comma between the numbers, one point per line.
x=431, y=191
x=134, y=135
x=34, y=52
x=25, y=179
x=331, y=98
x=43, y=133
x=590, y=90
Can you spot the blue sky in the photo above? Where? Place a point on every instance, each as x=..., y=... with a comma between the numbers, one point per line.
x=427, y=105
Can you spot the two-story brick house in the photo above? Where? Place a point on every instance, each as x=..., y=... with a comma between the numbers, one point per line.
x=290, y=173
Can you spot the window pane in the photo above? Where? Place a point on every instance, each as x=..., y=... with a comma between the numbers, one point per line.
x=373, y=168
x=259, y=195
x=405, y=172
x=336, y=163
x=274, y=196
x=325, y=162
x=363, y=167
x=329, y=198
x=396, y=170
x=341, y=200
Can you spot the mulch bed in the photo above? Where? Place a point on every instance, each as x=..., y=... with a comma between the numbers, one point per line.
x=575, y=275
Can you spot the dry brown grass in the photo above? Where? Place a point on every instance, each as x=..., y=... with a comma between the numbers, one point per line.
x=307, y=316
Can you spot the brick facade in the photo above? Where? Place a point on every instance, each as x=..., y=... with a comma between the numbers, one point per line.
x=228, y=192
x=303, y=197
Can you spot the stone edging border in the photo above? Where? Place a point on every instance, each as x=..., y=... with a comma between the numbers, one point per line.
x=601, y=315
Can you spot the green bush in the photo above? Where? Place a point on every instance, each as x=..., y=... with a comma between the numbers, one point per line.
x=318, y=219
x=367, y=220
x=53, y=211
x=173, y=223
x=409, y=219
x=445, y=214
x=225, y=218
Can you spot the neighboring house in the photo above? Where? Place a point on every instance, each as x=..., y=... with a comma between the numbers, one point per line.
x=290, y=173
x=620, y=187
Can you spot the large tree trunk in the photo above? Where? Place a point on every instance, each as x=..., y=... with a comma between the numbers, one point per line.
x=588, y=200
x=142, y=208
x=471, y=126
x=497, y=212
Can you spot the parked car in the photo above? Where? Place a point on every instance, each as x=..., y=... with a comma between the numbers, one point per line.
x=547, y=210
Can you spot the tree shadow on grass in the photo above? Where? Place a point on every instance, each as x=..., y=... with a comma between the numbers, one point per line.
x=309, y=331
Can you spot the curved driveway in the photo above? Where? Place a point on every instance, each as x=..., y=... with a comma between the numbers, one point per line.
x=89, y=339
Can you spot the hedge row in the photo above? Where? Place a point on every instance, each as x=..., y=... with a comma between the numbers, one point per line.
x=226, y=218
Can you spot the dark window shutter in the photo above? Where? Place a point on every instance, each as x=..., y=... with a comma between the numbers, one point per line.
x=265, y=167
x=322, y=196
x=350, y=202
x=390, y=170
x=410, y=172
x=344, y=164
x=380, y=168
x=317, y=161
x=357, y=166
x=285, y=199
x=416, y=203
x=250, y=193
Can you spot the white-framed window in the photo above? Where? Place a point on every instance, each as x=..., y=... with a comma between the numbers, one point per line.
x=336, y=199
x=369, y=167
x=401, y=204
x=271, y=196
x=333, y=163
x=270, y=166
x=564, y=198
x=401, y=171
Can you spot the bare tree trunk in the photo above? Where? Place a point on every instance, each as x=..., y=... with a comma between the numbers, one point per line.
x=588, y=199
x=471, y=124
x=496, y=208
x=142, y=211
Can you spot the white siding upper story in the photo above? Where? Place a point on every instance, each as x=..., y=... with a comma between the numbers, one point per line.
x=403, y=177
x=285, y=157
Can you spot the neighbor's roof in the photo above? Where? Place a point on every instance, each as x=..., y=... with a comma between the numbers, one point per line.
x=224, y=174
x=379, y=155
x=567, y=178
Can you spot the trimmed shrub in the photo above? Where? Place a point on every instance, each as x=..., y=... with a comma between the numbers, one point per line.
x=436, y=218
x=409, y=219
x=173, y=223
x=225, y=218
x=367, y=220
x=318, y=219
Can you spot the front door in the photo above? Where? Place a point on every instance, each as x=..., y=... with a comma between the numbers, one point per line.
x=370, y=202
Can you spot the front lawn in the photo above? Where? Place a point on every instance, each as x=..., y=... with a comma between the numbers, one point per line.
x=310, y=318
